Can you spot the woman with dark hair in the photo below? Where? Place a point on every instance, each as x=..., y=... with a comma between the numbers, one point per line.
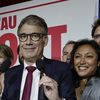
x=85, y=59
x=6, y=57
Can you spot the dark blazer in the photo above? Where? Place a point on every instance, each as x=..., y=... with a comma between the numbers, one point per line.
x=57, y=70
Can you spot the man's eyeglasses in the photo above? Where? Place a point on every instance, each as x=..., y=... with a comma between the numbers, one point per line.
x=33, y=36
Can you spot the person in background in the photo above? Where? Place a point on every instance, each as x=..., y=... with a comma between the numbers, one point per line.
x=53, y=76
x=96, y=31
x=85, y=59
x=6, y=57
x=66, y=52
x=66, y=55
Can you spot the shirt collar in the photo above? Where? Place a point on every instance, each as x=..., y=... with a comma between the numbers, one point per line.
x=25, y=64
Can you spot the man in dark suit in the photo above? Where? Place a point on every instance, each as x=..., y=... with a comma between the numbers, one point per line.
x=56, y=79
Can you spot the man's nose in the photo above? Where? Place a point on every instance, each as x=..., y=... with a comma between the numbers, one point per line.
x=28, y=39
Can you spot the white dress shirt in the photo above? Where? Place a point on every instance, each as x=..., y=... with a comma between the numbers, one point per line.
x=35, y=83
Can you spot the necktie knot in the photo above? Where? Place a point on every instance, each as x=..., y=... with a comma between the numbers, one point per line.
x=30, y=68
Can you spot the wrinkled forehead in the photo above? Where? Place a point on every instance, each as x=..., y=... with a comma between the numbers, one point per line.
x=32, y=29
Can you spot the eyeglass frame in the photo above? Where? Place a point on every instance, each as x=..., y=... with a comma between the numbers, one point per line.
x=39, y=35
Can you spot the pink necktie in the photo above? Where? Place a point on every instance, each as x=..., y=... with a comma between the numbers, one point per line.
x=28, y=83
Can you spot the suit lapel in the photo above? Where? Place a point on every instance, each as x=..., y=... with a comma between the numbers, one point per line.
x=16, y=84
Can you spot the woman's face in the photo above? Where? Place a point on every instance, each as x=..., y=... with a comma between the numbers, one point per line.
x=85, y=61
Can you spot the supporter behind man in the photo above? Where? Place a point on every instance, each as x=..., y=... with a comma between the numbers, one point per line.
x=66, y=52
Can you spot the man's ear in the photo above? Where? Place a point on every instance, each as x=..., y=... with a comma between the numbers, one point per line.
x=45, y=40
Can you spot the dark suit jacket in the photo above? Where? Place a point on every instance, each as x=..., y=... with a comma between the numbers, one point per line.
x=57, y=70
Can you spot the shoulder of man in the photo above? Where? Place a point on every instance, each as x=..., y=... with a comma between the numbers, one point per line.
x=57, y=63
x=13, y=69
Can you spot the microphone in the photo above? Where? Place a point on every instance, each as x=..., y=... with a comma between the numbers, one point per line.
x=40, y=66
x=5, y=65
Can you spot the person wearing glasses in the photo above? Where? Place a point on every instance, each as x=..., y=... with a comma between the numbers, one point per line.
x=96, y=31
x=52, y=79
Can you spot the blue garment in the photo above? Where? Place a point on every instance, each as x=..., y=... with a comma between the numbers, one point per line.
x=92, y=90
